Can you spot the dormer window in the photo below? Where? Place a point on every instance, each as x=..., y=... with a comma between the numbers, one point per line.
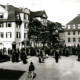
x=74, y=27
x=1, y=15
x=68, y=26
x=18, y=17
x=78, y=26
x=26, y=16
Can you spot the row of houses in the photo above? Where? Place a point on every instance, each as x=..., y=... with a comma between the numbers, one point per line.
x=14, y=26
x=14, y=23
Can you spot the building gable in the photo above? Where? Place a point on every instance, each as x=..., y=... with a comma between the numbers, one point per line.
x=39, y=14
x=2, y=10
x=44, y=15
x=26, y=11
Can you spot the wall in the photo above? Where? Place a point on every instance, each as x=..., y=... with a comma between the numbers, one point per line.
x=71, y=36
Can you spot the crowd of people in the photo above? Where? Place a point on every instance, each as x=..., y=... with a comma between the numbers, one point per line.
x=15, y=55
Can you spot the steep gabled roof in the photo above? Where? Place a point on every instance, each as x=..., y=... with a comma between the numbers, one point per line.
x=38, y=14
x=11, y=8
x=76, y=20
x=11, y=13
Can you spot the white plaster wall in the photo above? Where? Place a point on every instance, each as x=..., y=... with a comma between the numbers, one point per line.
x=8, y=29
x=22, y=31
x=72, y=36
x=5, y=13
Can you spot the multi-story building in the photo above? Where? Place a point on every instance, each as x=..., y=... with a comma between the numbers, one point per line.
x=13, y=26
x=72, y=32
x=41, y=16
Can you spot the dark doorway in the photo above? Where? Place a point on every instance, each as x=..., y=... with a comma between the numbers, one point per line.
x=14, y=45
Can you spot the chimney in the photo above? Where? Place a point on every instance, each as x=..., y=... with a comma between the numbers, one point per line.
x=6, y=7
x=23, y=8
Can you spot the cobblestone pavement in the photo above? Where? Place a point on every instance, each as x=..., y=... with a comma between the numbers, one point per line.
x=68, y=68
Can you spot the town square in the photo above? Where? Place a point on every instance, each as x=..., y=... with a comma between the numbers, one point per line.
x=40, y=40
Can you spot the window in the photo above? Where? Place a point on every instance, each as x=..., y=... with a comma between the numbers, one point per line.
x=73, y=32
x=26, y=25
x=8, y=24
x=78, y=39
x=17, y=25
x=79, y=25
x=18, y=16
x=69, y=40
x=1, y=25
x=1, y=34
x=78, y=32
x=26, y=16
x=68, y=27
x=74, y=40
x=68, y=33
x=25, y=35
x=8, y=35
x=18, y=35
x=1, y=15
x=73, y=25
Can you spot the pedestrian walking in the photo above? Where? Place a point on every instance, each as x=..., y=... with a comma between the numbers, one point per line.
x=31, y=70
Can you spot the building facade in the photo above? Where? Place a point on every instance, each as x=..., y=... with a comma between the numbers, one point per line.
x=41, y=16
x=72, y=32
x=13, y=26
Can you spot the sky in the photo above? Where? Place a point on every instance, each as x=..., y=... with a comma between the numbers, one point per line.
x=61, y=11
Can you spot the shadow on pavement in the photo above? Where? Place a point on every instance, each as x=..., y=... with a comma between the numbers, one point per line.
x=6, y=74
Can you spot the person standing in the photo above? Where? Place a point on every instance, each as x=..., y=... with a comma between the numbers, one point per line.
x=24, y=57
x=57, y=55
x=13, y=55
x=79, y=54
x=17, y=55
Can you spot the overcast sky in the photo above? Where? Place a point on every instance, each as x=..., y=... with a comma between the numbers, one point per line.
x=57, y=10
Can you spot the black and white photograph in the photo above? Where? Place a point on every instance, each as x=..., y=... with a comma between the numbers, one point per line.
x=39, y=39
